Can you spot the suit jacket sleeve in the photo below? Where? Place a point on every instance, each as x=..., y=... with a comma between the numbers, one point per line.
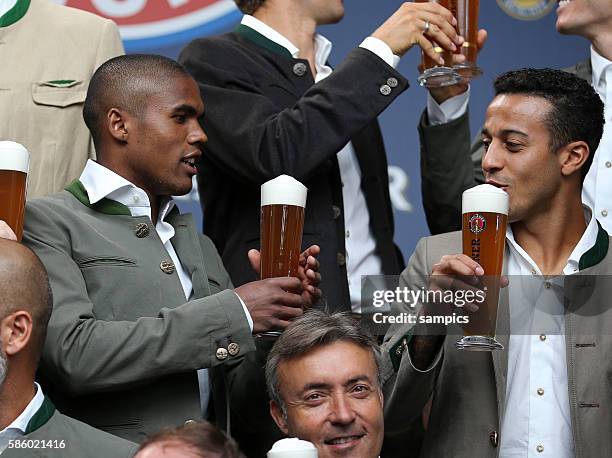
x=254, y=138
x=449, y=166
x=88, y=354
x=406, y=388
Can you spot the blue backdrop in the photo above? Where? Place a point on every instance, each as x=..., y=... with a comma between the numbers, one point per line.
x=512, y=43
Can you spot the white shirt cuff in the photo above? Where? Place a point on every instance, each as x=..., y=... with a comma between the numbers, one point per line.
x=449, y=110
x=381, y=49
x=246, y=312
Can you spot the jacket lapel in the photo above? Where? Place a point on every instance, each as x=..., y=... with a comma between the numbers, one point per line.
x=500, y=357
x=187, y=247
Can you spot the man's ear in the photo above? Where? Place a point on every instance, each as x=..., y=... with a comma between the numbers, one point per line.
x=16, y=332
x=279, y=417
x=117, y=121
x=572, y=157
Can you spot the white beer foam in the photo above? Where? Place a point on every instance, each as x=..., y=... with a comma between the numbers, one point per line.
x=283, y=190
x=485, y=198
x=14, y=156
x=293, y=448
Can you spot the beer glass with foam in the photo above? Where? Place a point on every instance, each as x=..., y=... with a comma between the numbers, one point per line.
x=14, y=165
x=292, y=448
x=485, y=215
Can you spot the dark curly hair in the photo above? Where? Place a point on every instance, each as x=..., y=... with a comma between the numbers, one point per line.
x=249, y=6
x=577, y=112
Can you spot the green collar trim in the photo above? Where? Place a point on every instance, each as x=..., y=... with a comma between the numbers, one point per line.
x=42, y=416
x=260, y=40
x=597, y=252
x=107, y=206
x=15, y=13
x=397, y=351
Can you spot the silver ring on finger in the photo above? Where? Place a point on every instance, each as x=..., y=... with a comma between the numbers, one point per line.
x=426, y=28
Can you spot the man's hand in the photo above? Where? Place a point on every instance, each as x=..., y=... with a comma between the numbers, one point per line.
x=6, y=232
x=308, y=272
x=273, y=302
x=442, y=94
x=406, y=28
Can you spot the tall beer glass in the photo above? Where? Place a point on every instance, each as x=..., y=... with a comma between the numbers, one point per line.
x=485, y=215
x=434, y=74
x=14, y=165
x=466, y=12
x=282, y=220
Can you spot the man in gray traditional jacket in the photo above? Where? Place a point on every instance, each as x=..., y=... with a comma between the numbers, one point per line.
x=547, y=392
x=30, y=426
x=143, y=306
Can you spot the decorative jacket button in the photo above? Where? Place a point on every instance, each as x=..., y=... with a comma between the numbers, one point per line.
x=141, y=230
x=385, y=89
x=336, y=212
x=341, y=259
x=167, y=267
x=494, y=438
x=299, y=69
x=392, y=82
x=233, y=349
x=221, y=354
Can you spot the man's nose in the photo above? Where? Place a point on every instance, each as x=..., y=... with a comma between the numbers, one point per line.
x=492, y=159
x=342, y=411
x=197, y=134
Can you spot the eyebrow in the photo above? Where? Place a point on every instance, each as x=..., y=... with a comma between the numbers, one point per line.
x=351, y=381
x=184, y=108
x=505, y=132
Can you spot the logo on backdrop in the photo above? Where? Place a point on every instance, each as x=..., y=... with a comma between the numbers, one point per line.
x=150, y=24
x=527, y=10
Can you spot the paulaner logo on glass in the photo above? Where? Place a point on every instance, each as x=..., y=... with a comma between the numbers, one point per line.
x=408, y=296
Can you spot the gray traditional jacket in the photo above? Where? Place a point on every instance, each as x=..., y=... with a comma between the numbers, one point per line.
x=123, y=345
x=52, y=435
x=469, y=388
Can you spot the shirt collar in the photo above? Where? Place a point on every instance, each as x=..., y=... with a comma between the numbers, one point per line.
x=599, y=66
x=21, y=422
x=323, y=46
x=101, y=182
x=586, y=242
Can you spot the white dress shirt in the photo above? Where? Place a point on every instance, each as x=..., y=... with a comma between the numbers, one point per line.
x=360, y=245
x=537, y=421
x=18, y=427
x=100, y=183
x=597, y=189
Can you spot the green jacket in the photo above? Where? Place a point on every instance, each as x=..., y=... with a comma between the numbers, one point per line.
x=53, y=435
x=123, y=345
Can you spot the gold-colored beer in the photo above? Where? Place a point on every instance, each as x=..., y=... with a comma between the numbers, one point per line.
x=281, y=240
x=282, y=221
x=14, y=163
x=485, y=216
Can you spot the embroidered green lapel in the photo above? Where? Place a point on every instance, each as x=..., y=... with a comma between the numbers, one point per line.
x=107, y=206
x=41, y=417
x=15, y=13
x=257, y=38
x=597, y=252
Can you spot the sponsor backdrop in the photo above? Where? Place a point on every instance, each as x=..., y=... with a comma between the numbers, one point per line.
x=521, y=34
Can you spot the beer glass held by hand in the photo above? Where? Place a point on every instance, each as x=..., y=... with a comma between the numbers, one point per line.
x=14, y=164
x=433, y=73
x=466, y=12
x=485, y=215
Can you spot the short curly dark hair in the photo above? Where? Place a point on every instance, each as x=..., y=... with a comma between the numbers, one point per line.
x=577, y=112
x=249, y=6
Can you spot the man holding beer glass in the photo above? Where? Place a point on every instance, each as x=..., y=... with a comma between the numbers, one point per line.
x=142, y=305
x=541, y=393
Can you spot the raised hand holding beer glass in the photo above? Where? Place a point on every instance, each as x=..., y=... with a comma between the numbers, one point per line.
x=14, y=165
x=283, y=200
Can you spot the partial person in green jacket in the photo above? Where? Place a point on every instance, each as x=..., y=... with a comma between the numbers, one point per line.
x=143, y=306
x=30, y=426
